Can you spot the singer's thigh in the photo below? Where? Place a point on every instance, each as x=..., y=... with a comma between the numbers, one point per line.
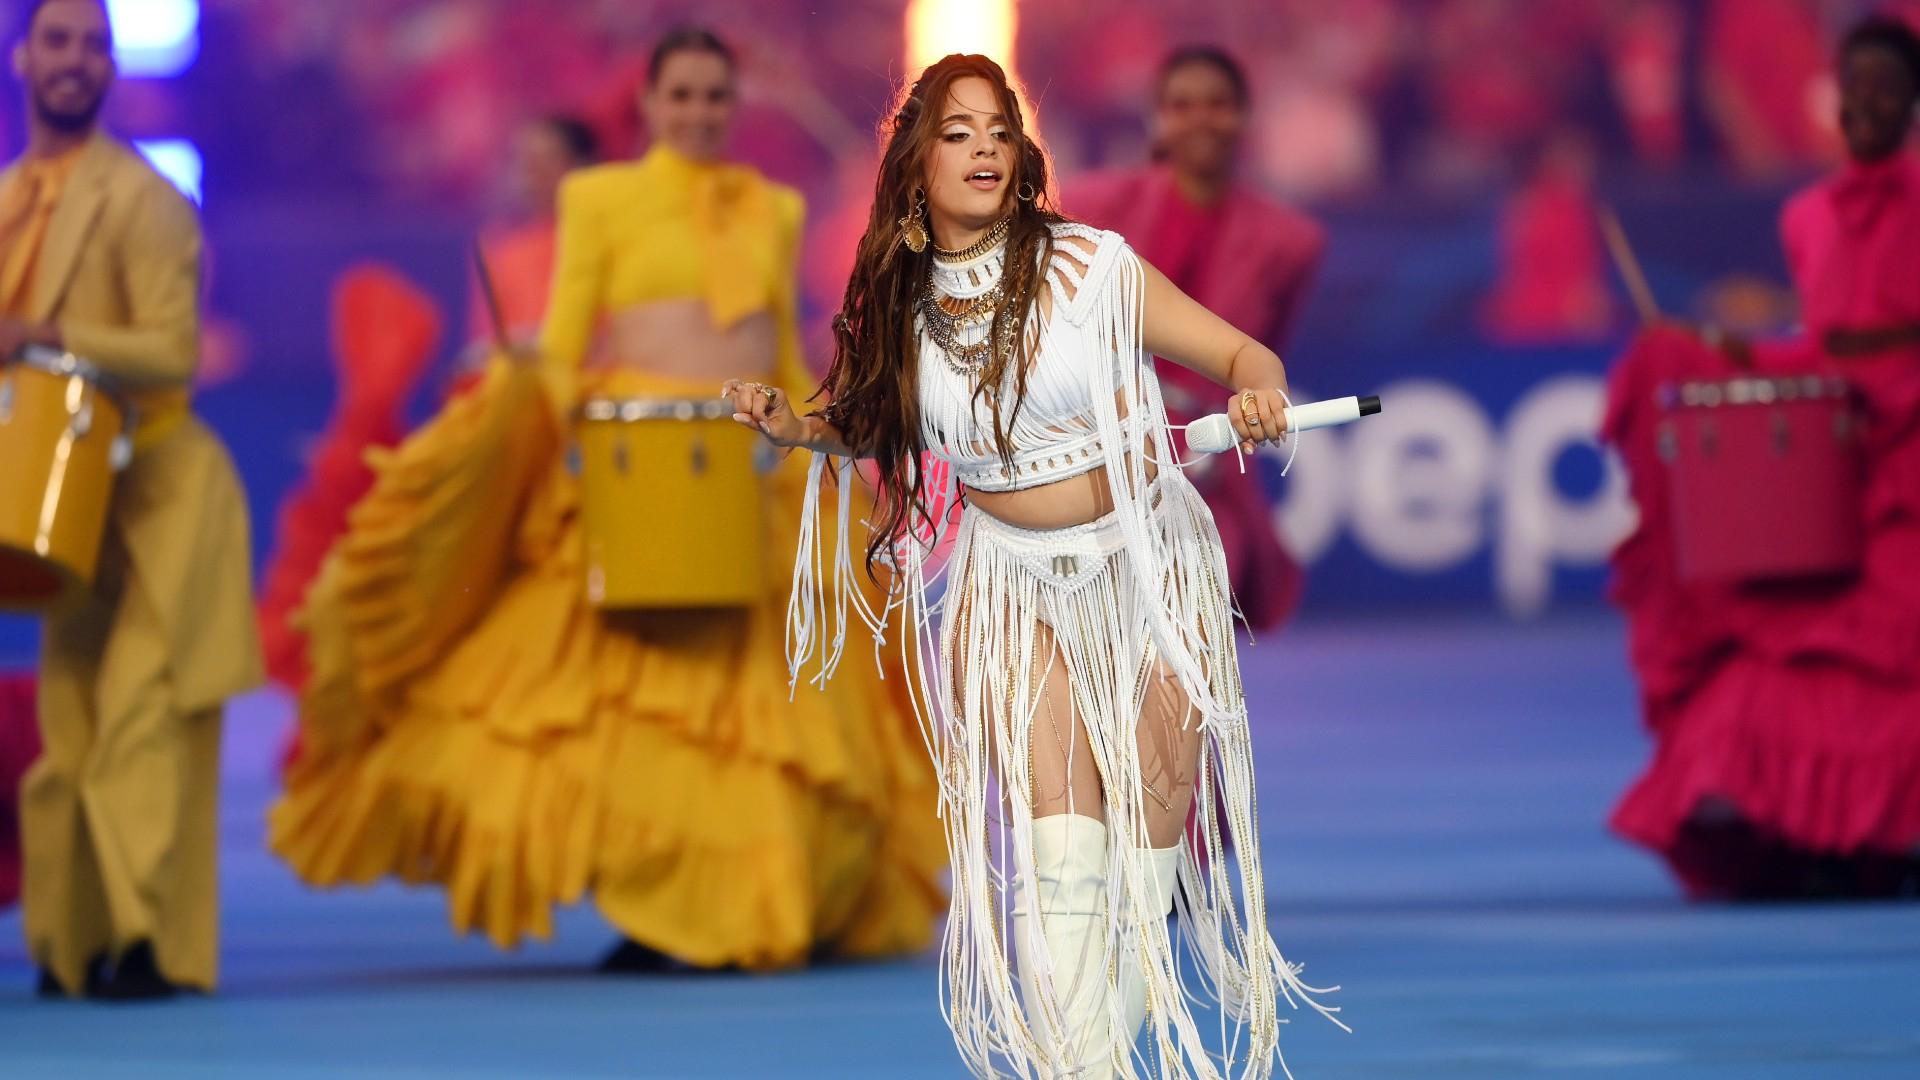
x=1066, y=778
x=1063, y=776
x=1169, y=737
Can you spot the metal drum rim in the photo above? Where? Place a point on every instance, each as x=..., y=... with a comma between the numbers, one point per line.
x=67, y=365
x=627, y=410
x=1751, y=390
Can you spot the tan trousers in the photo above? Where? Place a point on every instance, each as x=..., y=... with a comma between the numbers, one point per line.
x=119, y=818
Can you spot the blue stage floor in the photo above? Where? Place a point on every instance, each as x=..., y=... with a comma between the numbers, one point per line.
x=1433, y=797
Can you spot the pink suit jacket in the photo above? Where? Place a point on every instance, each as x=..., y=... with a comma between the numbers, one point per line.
x=1259, y=270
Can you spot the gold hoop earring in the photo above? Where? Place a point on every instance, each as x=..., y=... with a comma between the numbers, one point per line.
x=1026, y=192
x=913, y=227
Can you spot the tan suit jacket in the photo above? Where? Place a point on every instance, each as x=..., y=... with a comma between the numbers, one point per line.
x=120, y=275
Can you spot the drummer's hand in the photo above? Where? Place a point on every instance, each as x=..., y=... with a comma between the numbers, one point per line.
x=766, y=410
x=1737, y=349
x=1258, y=421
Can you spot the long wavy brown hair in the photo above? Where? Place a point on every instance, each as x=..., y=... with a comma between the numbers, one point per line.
x=873, y=385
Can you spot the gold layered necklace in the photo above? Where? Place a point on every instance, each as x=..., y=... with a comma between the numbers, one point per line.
x=972, y=281
x=950, y=330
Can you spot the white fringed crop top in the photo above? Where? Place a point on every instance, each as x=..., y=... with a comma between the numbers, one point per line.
x=1055, y=434
x=1092, y=401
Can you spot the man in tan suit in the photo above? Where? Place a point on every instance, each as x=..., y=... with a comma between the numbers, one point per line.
x=100, y=257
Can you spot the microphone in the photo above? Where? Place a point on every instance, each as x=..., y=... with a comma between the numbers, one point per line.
x=1214, y=434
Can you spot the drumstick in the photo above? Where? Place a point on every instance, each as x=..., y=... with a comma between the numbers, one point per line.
x=1629, y=266
x=492, y=298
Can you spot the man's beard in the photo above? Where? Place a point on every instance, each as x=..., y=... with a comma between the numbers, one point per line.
x=72, y=121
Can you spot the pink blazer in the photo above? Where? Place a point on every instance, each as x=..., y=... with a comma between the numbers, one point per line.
x=1260, y=268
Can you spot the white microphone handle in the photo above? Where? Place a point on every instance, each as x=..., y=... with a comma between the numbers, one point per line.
x=1321, y=414
x=1214, y=434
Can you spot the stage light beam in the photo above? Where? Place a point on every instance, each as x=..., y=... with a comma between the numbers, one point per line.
x=155, y=39
x=938, y=27
x=179, y=161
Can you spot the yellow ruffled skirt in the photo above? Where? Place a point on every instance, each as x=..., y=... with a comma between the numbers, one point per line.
x=473, y=722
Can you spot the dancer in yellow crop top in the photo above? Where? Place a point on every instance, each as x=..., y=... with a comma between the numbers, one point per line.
x=697, y=273
x=473, y=722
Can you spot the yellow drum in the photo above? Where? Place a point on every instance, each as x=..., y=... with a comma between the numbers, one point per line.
x=63, y=434
x=672, y=499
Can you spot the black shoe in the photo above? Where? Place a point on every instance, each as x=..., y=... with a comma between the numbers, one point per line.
x=136, y=978
x=49, y=986
x=46, y=986
x=632, y=958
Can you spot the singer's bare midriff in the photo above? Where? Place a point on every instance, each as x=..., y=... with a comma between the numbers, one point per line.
x=1073, y=501
x=677, y=338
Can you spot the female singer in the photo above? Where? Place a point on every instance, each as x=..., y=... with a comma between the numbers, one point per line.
x=993, y=363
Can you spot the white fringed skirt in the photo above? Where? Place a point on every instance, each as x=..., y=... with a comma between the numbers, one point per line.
x=1004, y=585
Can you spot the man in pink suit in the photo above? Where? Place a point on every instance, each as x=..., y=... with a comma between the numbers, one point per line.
x=1243, y=255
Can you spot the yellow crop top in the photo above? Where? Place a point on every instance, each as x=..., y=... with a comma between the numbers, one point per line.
x=663, y=228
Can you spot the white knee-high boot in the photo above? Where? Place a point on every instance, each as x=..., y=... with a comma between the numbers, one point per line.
x=1070, y=890
x=1159, y=868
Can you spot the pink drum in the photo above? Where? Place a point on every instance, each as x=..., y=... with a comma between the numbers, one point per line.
x=1765, y=478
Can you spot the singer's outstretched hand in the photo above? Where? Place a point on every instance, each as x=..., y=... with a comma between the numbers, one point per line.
x=765, y=409
x=1259, y=420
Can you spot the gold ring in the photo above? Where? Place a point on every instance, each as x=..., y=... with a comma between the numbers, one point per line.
x=1247, y=411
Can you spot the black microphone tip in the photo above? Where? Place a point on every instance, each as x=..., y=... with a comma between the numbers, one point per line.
x=1369, y=405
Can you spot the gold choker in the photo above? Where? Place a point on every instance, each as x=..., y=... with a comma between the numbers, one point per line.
x=987, y=243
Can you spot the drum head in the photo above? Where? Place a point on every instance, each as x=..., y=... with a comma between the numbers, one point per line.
x=31, y=583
